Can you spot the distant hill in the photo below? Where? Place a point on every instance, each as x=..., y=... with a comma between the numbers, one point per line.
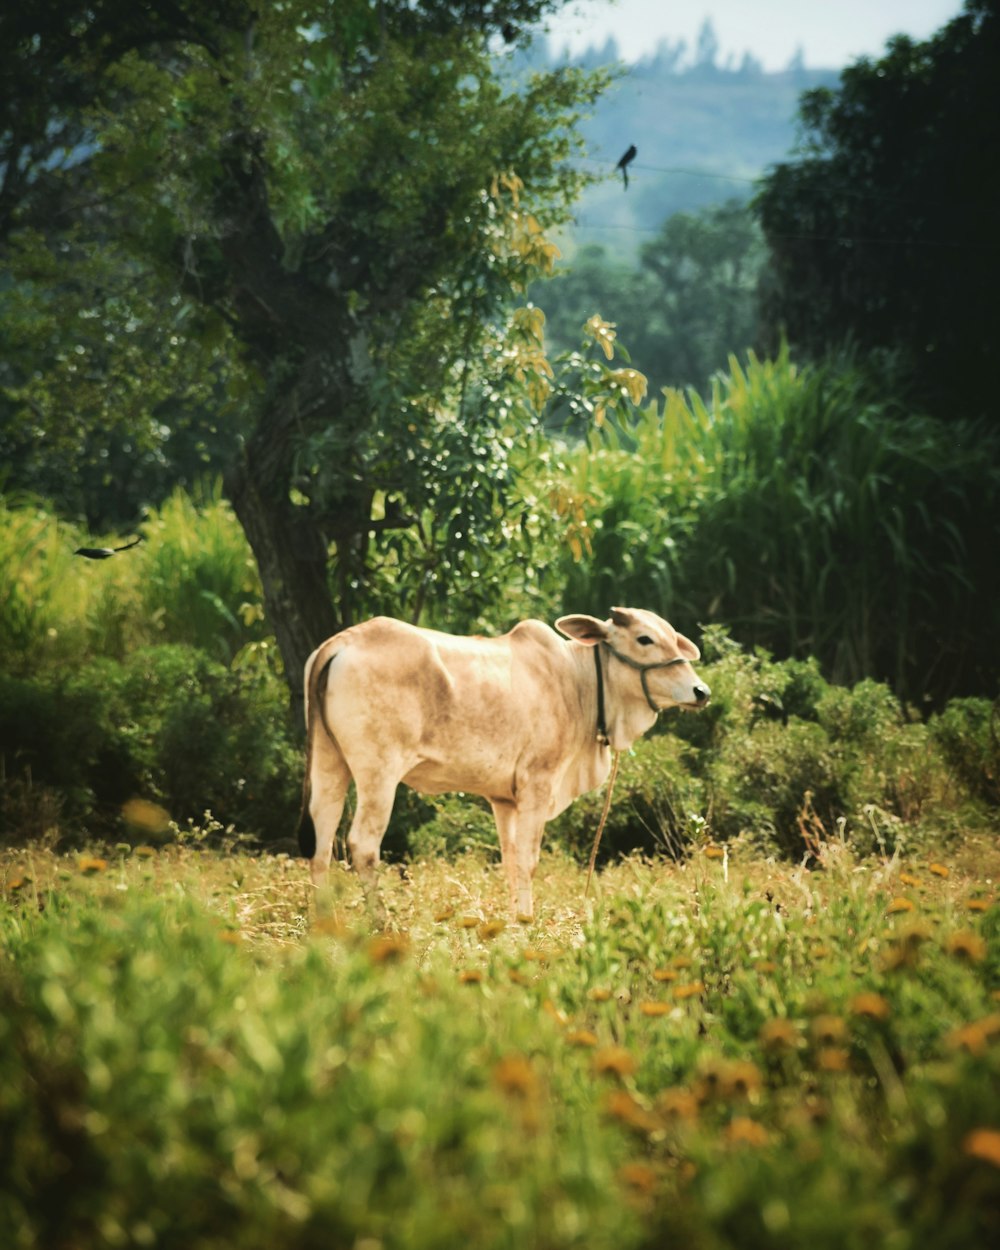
x=704, y=132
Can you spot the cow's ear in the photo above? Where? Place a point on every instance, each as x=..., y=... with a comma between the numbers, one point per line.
x=623, y=617
x=687, y=648
x=585, y=629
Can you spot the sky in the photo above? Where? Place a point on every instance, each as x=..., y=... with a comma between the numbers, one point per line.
x=830, y=34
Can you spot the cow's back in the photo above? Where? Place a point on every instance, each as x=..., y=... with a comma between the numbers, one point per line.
x=451, y=712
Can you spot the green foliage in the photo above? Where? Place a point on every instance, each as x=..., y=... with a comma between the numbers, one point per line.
x=882, y=233
x=169, y=726
x=968, y=735
x=684, y=308
x=715, y=1055
x=801, y=508
x=192, y=580
x=784, y=759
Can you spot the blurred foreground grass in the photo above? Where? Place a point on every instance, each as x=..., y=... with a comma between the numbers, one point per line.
x=722, y=1052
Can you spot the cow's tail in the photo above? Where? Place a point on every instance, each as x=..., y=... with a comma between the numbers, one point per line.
x=316, y=677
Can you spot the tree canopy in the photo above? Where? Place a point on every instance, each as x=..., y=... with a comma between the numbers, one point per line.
x=884, y=231
x=303, y=226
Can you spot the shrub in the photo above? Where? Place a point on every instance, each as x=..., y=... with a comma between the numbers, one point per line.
x=967, y=732
x=170, y=725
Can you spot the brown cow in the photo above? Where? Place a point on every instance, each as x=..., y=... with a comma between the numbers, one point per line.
x=527, y=720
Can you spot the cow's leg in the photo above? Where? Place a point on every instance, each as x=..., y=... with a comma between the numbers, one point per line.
x=505, y=815
x=375, y=796
x=328, y=784
x=532, y=809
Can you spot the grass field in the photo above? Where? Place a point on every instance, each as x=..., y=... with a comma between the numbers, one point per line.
x=725, y=1051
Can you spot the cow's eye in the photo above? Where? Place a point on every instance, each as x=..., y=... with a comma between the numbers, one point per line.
x=644, y=641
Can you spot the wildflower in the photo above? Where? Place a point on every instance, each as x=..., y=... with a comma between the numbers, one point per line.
x=714, y=852
x=833, y=1059
x=778, y=1035
x=742, y=1131
x=966, y=945
x=534, y=956
x=330, y=926
x=639, y=1177
x=712, y=1080
x=979, y=904
x=677, y=1104
x=444, y=913
x=690, y=990
x=468, y=922
x=828, y=1030
x=968, y=1037
x=742, y=1079
x=682, y=961
x=232, y=936
x=17, y=882
x=621, y=1106
x=491, y=929
x=664, y=974
x=766, y=966
x=470, y=976
x=899, y=905
x=144, y=852
x=614, y=1061
x=983, y=1143
x=581, y=1037
x=907, y=878
x=654, y=1008
x=939, y=870
x=387, y=948
x=870, y=1004
x=599, y=994
x=515, y=1075
x=821, y=951
x=90, y=865
x=518, y=977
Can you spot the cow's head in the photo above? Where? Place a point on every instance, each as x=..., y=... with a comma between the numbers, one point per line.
x=651, y=647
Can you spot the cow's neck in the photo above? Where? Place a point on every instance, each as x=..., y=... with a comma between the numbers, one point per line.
x=627, y=715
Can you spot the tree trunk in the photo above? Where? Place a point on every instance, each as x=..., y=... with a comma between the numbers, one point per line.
x=291, y=554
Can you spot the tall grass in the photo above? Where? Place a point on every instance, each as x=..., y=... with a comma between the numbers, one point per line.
x=804, y=510
x=716, y=1054
x=192, y=580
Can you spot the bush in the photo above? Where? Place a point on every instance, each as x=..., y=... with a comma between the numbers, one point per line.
x=170, y=725
x=968, y=735
x=805, y=510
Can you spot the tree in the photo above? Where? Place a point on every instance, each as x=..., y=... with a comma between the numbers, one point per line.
x=347, y=197
x=884, y=232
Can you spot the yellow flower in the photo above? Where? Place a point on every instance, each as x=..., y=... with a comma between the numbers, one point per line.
x=534, y=956
x=550, y=1009
x=89, y=865
x=766, y=966
x=966, y=945
x=468, y=922
x=971, y=1038
x=614, y=1061
x=581, y=1037
x=621, y=1106
x=979, y=904
x=714, y=852
x=470, y=976
x=742, y=1131
x=491, y=929
x=691, y=990
x=778, y=1034
x=939, y=870
x=599, y=994
x=907, y=878
x=742, y=1079
x=983, y=1143
x=515, y=1075
x=444, y=913
x=664, y=974
x=518, y=977
x=677, y=1104
x=899, y=905
x=870, y=1004
x=654, y=1009
x=828, y=1030
x=639, y=1177
x=387, y=948
x=833, y=1059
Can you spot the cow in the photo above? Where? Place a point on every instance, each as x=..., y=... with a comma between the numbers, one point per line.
x=528, y=720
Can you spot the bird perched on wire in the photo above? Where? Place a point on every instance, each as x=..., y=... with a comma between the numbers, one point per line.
x=626, y=160
x=105, y=553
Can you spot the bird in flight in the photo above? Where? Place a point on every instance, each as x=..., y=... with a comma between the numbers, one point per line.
x=104, y=553
x=627, y=158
